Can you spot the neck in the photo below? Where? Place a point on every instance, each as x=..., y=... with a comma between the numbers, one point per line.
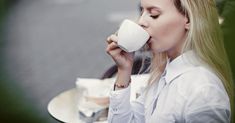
x=172, y=54
x=175, y=51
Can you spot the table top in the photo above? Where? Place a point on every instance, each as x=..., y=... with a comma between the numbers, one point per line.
x=63, y=107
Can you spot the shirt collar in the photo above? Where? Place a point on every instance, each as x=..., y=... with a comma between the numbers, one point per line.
x=179, y=65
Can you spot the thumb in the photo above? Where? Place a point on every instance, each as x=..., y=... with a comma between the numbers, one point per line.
x=129, y=55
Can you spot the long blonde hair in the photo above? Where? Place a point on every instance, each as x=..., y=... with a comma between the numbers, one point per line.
x=205, y=38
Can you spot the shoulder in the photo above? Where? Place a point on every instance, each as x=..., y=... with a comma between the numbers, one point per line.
x=204, y=95
x=202, y=83
x=200, y=76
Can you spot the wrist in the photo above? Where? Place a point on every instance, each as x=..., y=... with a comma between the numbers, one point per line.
x=123, y=72
x=123, y=77
x=127, y=68
x=119, y=86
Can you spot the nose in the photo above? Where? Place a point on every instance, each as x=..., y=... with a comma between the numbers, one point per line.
x=142, y=22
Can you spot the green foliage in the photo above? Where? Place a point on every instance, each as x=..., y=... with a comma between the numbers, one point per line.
x=228, y=28
x=15, y=107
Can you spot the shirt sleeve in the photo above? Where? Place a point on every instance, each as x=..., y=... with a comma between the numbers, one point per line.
x=208, y=104
x=121, y=110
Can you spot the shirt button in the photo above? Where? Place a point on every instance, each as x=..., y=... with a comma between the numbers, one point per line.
x=164, y=73
x=115, y=109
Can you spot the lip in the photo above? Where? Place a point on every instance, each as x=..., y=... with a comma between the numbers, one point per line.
x=149, y=40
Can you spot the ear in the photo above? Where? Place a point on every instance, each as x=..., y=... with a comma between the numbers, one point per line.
x=187, y=23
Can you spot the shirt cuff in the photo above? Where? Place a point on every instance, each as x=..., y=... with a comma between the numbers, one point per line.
x=120, y=101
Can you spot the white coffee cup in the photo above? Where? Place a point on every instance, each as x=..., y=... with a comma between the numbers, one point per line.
x=131, y=36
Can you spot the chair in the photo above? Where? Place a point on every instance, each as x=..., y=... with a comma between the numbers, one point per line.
x=111, y=72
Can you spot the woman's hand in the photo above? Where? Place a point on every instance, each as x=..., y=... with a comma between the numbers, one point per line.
x=123, y=60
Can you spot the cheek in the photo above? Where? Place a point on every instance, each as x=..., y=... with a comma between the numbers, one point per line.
x=167, y=32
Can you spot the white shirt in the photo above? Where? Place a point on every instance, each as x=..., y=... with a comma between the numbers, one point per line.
x=185, y=93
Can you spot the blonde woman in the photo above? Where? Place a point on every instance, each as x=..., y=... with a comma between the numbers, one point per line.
x=191, y=80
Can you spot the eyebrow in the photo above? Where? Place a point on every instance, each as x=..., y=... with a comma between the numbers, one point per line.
x=149, y=8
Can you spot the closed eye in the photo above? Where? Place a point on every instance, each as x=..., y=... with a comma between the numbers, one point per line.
x=154, y=16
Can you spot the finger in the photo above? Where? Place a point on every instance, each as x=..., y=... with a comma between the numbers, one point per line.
x=111, y=46
x=108, y=40
x=129, y=55
x=115, y=52
x=114, y=38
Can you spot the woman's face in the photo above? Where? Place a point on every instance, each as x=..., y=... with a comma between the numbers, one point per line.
x=166, y=26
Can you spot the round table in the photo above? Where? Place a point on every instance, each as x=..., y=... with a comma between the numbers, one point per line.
x=63, y=107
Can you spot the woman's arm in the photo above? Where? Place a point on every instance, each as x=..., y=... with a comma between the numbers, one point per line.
x=122, y=111
x=208, y=105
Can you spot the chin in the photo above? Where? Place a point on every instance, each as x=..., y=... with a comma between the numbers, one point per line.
x=158, y=49
x=155, y=47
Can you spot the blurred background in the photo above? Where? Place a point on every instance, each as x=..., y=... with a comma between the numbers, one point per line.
x=46, y=44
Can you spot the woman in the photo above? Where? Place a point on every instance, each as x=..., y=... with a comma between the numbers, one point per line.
x=191, y=80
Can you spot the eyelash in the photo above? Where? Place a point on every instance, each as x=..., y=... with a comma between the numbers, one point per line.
x=154, y=16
